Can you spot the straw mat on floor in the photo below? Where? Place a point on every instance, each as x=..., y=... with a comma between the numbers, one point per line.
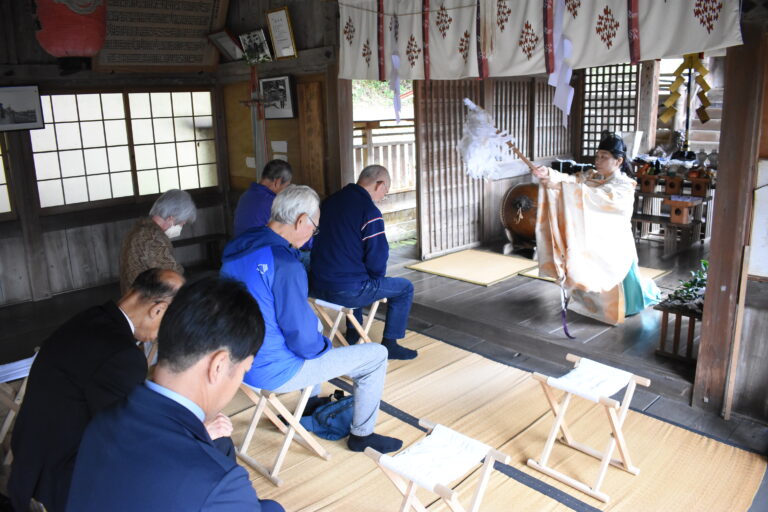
x=473, y=266
x=645, y=273
x=505, y=408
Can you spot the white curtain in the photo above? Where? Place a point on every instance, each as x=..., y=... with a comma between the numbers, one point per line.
x=513, y=40
x=359, y=45
x=517, y=46
x=452, y=39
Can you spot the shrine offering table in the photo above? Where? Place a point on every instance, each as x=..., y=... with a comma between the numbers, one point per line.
x=680, y=227
x=679, y=351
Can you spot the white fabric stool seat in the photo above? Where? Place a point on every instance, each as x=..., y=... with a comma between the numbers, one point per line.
x=591, y=380
x=436, y=461
x=440, y=458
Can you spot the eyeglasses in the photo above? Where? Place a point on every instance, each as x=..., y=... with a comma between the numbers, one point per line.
x=317, y=229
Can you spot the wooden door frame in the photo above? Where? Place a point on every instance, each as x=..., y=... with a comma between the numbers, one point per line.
x=739, y=148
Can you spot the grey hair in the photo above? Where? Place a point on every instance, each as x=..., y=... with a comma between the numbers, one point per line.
x=373, y=173
x=277, y=170
x=292, y=202
x=177, y=204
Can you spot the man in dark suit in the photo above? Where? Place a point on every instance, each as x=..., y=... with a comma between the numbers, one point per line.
x=88, y=364
x=152, y=451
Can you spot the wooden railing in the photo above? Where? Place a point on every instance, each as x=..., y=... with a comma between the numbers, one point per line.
x=391, y=145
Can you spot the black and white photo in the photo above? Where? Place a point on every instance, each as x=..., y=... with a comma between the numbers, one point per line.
x=276, y=96
x=255, y=47
x=20, y=108
x=227, y=45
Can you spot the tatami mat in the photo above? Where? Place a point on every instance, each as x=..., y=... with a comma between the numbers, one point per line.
x=645, y=272
x=473, y=266
x=505, y=408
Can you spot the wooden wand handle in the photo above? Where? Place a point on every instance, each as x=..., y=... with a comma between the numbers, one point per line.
x=520, y=155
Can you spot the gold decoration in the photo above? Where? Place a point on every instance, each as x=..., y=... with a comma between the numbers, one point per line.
x=691, y=62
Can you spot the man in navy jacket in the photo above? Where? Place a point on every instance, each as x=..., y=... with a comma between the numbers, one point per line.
x=295, y=354
x=254, y=205
x=349, y=258
x=152, y=452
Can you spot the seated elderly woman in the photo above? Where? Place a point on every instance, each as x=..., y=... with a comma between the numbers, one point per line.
x=295, y=353
x=584, y=236
x=148, y=244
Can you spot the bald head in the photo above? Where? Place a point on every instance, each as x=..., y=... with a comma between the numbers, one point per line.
x=147, y=299
x=375, y=179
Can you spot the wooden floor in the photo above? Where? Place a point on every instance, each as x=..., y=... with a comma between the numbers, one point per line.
x=522, y=315
x=515, y=322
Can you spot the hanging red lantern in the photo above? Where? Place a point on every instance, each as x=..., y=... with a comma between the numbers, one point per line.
x=72, y=28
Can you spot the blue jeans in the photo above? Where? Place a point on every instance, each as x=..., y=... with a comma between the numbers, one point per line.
x=366, y=364
x=397, y=290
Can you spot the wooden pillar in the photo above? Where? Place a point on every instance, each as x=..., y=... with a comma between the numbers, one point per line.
x=648, y=103
x=222, y=156
x=25, y=200
x=742, y=108
x=341, y=167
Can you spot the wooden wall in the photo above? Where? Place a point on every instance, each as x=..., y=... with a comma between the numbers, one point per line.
x=311, y=136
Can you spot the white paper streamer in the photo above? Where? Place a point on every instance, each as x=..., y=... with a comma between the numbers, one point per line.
x=483, y=147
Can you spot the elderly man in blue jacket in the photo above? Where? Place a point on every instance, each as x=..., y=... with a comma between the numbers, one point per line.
x=349, y=258
x=295, y=353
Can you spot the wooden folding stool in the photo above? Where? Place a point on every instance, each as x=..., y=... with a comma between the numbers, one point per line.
x=436, y=461
x=10, y=372
x=595, y=382
x=268, y=404
x=341, y=312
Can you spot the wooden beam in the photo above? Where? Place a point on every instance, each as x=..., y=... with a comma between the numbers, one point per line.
x=742, y=108
x=648, y=103
x=315, y=60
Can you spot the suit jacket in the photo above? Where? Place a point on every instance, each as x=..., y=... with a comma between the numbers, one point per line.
x=152, y=454
x=88, y=364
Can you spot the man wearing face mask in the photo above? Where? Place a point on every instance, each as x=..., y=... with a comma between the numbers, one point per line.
x=85, y=366
x=148, y=244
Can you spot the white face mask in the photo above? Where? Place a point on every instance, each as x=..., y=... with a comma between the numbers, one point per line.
x=173, y=231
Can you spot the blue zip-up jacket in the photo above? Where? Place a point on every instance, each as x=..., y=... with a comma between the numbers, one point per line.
x=351, y=247
x=253, y=208
x=274, y=275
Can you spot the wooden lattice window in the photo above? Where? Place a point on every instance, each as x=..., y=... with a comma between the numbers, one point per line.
x=610, y=103
x=103, y=146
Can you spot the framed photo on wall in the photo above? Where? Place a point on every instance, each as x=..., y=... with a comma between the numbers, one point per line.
x=281, y=32
x=255, y=47
x=20, y=108
x=277, y=97
x=227, y=45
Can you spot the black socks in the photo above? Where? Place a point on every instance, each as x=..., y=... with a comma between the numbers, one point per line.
x=396, y=351
x=382, y=444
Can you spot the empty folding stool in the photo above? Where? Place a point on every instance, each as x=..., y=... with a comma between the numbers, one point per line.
x=436, y=461
x=595, y=382
x=268, y=404
x=341, y=313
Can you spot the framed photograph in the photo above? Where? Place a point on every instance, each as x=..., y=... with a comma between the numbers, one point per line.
x=255, y=47
x=227, y=45
x=20, y=108
x=281, y=33
x=277, y=97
